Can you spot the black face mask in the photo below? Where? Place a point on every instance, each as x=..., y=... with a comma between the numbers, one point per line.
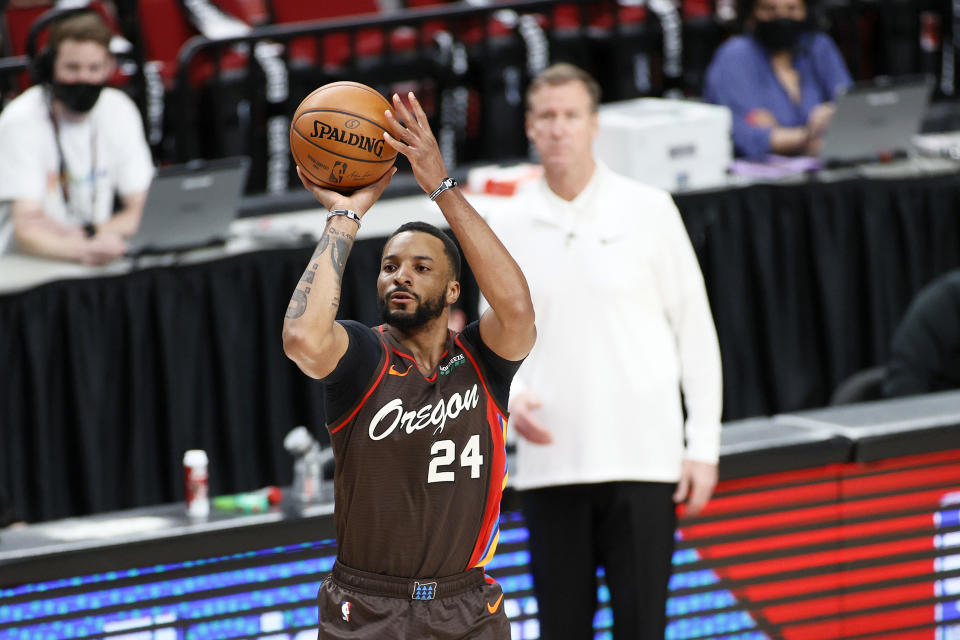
x=78, y=97
x=780, y=34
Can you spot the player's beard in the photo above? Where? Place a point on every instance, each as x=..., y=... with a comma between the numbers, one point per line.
x=426, y=311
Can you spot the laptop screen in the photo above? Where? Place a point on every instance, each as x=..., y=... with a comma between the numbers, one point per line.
x=191, y=205
x=875, y=120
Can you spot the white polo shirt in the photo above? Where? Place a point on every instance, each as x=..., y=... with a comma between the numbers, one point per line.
x=623, y=323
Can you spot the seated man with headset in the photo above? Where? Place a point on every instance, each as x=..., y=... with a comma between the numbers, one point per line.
x=67, y=146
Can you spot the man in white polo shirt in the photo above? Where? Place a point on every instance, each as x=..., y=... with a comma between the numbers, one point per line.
x=625, y=325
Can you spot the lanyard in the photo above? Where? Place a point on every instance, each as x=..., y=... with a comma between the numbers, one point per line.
x=64, y=172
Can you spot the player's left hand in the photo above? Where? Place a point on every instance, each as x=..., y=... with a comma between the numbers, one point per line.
x=359, y=201
x=697, y=482
x=415, y=140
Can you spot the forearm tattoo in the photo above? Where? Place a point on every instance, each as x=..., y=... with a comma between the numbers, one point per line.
x=339, y=244
x=298, y=304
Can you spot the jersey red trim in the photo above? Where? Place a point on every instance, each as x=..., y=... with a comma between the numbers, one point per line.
x=491, y=512
x=414, y=361
x=373, y=387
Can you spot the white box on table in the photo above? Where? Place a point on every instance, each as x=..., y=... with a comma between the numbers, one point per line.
x=672, y=144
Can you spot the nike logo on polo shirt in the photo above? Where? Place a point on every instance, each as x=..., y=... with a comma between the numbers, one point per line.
x=492, y=608
x=392, y=371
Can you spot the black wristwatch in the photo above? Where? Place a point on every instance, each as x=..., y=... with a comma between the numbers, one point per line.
x=90, y=229
x=446, y=183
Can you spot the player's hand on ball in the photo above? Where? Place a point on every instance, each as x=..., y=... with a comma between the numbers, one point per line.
x=522, y=417
x=415, y=140
x=359, y=201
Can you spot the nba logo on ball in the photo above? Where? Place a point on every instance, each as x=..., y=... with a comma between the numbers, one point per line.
x=336, y=136
x=336, y=174
x=345, y=610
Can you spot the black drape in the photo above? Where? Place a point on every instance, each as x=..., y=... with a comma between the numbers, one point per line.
x=808, y=282
x=107, y=381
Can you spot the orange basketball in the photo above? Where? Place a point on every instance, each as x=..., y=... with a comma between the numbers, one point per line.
x=337, y=136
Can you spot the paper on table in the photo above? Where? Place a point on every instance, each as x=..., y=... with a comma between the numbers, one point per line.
x=774, y=166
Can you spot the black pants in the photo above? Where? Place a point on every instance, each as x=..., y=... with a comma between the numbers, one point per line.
x=626, y=527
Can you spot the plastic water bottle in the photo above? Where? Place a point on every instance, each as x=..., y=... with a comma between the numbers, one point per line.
x=197, y=481
x=307, y=466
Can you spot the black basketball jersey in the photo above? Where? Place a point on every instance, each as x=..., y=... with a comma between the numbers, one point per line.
x=420, y=465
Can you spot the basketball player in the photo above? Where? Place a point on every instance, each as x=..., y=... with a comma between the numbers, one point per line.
x=415, y=411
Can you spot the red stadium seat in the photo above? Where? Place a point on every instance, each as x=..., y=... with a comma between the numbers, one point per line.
x=18, y=21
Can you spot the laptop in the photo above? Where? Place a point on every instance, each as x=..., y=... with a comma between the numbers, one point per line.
x=190, y=206
x=875, y=121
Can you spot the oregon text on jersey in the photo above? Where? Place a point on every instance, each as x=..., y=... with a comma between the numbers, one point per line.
x=437, y=414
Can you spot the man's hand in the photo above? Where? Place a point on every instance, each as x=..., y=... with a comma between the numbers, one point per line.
x=697, y=481
x=103, y=248
x=359, y=201
x=522, y=407
x=415, y=140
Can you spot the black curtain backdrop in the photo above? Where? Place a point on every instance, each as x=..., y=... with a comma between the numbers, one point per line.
x=107, y=381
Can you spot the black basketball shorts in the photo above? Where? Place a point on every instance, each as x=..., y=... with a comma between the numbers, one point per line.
x=357, y=605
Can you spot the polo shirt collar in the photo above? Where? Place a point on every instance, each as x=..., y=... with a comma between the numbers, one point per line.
x=564, y=213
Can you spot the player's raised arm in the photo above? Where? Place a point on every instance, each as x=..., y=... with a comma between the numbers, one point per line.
x=508, y=326
x=311, y=336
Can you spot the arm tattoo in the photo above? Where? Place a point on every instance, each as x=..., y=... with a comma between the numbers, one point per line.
x=298, y=304
x=340, y=244
x=339, y=253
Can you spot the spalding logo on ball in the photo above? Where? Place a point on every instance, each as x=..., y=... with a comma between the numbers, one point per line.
x=337, y=136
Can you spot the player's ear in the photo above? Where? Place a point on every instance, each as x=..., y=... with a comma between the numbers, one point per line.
x=453, y=292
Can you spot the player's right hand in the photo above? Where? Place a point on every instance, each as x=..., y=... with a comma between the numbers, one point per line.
x=359, y=201
x=522, y=417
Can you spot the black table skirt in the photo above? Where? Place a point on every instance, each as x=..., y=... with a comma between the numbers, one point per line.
x=106, y=381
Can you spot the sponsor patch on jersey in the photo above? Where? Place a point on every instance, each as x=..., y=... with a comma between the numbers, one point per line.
x=452, y=364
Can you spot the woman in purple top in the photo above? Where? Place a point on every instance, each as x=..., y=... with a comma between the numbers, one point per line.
x=779, y=80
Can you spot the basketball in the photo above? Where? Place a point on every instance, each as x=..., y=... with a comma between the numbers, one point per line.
x=336, y=136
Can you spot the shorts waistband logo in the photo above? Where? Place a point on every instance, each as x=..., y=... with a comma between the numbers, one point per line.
x=424, y=591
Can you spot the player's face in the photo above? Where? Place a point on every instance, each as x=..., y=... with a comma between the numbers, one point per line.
x=774, y=9
x=82, y=61
x=562, y=124
x=415, y=285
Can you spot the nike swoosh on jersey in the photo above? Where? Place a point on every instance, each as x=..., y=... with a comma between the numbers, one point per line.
x=394, y=372
x=492, y=608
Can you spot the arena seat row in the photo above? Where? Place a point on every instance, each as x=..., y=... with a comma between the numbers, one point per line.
x=469, y=65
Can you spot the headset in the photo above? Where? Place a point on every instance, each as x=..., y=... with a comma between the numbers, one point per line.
x=41, y=64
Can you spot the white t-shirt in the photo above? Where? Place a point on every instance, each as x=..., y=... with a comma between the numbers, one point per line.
x=623, y=322
x=104, y=153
